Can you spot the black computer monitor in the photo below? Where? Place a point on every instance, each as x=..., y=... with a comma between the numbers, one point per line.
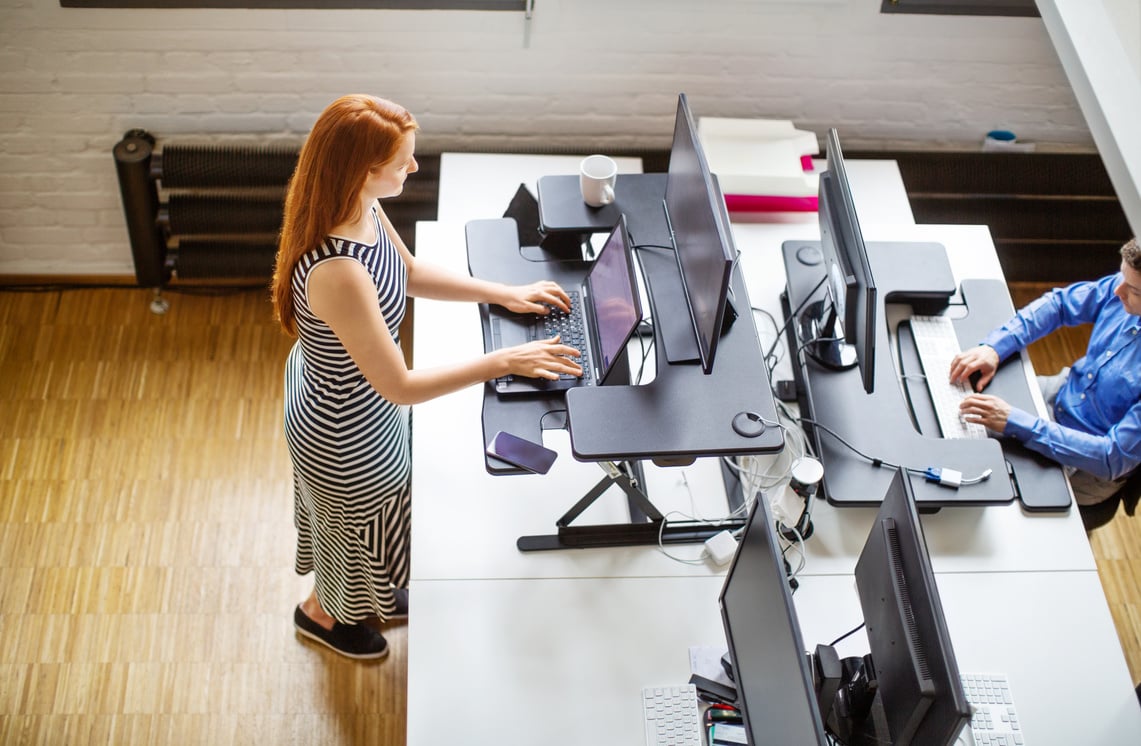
x=915, y=671
x=699, y=225
x=913, y=690
x=840, y=331
x=771, y=670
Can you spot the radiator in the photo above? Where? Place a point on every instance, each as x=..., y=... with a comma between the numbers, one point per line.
x=201, y=212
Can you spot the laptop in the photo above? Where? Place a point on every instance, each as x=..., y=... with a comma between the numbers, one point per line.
x=606, y=306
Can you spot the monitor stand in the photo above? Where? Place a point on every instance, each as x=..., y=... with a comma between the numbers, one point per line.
x=848, y=698
x=669, y=307
x=823, y=334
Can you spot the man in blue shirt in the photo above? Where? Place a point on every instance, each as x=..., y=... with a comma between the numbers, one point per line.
x=1094, y=428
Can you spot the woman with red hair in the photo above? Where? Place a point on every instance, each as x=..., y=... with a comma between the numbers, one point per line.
x=340, y=285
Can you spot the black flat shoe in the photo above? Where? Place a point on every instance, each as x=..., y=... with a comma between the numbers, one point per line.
x=358, y=641
x=401, y=611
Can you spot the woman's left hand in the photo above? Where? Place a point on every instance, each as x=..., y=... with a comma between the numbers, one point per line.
x=537, y=297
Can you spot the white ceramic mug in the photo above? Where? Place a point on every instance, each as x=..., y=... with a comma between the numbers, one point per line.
x=597, y=176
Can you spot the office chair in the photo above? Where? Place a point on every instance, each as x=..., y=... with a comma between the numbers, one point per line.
x=1095, y=516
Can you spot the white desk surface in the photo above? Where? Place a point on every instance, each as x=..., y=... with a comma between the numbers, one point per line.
x=564, y=661
x=877, y=188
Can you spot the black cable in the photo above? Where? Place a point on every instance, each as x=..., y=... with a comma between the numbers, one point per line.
x=847, y=634
x=804, y=345
x=880, y=462
x=646, y=349
x=849, y=446
x=647, y=320
x=777, y=329
x=793, y=315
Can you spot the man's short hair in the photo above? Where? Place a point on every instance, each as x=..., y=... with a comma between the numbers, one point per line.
x=1131, y=253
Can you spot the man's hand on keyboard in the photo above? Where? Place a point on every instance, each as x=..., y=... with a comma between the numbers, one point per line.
x=981, y=359
x=986, y=410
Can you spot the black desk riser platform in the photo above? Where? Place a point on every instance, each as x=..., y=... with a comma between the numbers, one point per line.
x=680, y=415
x=884, y=425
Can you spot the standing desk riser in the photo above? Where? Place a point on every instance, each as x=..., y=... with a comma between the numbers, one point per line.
x=881, y=424
x=682, y=414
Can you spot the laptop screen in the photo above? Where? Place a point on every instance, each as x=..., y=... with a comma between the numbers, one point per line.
x=613, y=294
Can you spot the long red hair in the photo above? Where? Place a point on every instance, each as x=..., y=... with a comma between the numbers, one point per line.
x=354, y=134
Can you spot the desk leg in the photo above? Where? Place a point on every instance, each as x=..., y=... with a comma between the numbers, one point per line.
x=646, y=525
x=627, y=475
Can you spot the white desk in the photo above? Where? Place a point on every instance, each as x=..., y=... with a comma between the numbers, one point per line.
x=562, y=662
x=878, y=190
x=554, y=647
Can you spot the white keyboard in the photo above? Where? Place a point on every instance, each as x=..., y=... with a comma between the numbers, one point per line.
x=672, y=717
x=937, y=344
x=994, y=721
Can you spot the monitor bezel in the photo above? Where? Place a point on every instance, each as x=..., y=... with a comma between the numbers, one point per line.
x=605, y=370
x=844, y=250
x=706, y=328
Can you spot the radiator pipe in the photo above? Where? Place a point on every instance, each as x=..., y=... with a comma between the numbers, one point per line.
x=140, y=206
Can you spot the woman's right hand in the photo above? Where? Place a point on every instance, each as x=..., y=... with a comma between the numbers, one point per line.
x=543, y=358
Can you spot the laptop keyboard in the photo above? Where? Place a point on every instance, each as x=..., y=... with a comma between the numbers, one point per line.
x=571, y=330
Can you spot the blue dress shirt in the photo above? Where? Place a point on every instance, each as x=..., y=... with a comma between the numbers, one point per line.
x=1097, y=414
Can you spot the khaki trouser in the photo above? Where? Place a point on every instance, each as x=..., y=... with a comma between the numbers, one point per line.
x=1088, y=489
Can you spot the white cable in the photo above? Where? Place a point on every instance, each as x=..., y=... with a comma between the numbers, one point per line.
x=699, y=560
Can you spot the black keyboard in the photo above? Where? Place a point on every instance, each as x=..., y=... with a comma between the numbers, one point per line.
x=571, y=329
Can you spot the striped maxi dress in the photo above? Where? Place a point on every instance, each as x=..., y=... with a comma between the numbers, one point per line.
x=350, y=449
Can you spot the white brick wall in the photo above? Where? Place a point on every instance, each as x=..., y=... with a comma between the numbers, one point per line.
x=595, y=74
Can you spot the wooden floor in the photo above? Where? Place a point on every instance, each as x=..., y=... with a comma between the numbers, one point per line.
x=146, y=536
